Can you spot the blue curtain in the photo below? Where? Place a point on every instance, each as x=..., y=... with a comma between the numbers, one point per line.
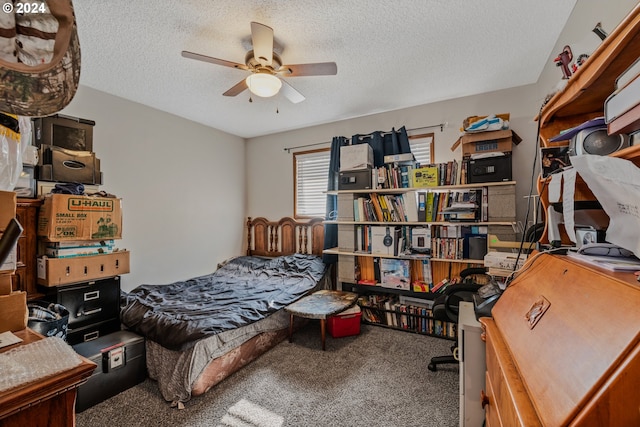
x=331, y=230
x=384, y=143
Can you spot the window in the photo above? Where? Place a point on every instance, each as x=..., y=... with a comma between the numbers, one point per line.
x=311, y=170
x=310, y=176
x=422, y=148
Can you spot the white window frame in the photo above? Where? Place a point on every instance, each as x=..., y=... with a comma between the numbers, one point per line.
x=310, y=183
x=422, y=148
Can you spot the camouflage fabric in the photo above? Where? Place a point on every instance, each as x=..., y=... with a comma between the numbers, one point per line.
x=39, y=59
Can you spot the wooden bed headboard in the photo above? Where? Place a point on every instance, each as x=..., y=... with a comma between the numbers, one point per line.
x=284, y=237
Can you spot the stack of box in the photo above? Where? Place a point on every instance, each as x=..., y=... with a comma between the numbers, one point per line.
x=78, y=233
x=65, y=153
x=13, y=304
x=486, y=155
x=356, y=162
x=79, y=266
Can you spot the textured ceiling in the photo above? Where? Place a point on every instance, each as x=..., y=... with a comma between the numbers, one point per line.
x=390, y=54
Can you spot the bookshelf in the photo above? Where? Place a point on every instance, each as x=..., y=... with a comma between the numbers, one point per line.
x=381, y=257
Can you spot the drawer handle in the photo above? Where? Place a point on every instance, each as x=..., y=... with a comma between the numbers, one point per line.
x=89, y=312
x=484, y=399
x=88, y=296
x=91, y=336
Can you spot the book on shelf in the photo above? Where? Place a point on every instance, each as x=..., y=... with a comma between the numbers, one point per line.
x=628, y=75
x=608, y=262
x=622, y=100
x=422, y=206
x=628, y=122
x=426, y=176
x=394, y=273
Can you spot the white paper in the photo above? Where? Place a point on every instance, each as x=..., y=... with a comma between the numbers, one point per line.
x=616, y=184
x=7, y=338
x=555, y=187
x=568, y=195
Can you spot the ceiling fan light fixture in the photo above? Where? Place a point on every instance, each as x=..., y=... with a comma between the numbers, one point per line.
x=263, y=84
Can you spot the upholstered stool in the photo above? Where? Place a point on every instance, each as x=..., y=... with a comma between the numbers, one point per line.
x=320, y=305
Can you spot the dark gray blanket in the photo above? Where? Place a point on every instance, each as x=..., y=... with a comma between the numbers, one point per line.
x=244, y=290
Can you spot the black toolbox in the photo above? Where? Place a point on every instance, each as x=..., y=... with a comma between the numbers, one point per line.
x=121, y=361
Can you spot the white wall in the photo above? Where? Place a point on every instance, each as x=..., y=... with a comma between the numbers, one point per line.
x=270, y=168
x=181, y=183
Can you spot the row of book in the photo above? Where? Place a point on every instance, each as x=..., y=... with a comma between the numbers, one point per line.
x=408, y=174
x=390, y=311
x=437, y=241
x=385, y=207
x=453, y=205
x=423, y=206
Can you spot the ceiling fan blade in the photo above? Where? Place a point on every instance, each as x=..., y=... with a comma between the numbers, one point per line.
x=213, y=60
x=240, y=87
x=262, y=38
x=290, y=93
x=317, y=69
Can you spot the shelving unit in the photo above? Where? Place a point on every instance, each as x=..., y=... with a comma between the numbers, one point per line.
x=356, y=265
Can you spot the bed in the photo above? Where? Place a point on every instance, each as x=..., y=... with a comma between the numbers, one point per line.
x=201, y=330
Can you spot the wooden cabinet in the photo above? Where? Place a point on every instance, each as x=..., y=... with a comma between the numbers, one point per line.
x=26, y=268
x=584, y=96
x=563, y=347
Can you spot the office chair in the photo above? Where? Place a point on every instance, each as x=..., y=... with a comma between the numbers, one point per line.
x=445, y=308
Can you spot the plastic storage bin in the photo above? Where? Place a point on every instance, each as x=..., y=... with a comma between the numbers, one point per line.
x=346, y=323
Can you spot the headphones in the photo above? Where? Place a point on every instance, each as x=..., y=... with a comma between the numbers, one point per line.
x=387, y=240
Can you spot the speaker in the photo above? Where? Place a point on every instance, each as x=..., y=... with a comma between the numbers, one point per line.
x=597, y=141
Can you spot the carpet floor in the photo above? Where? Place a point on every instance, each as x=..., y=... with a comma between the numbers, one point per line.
x=378, y=378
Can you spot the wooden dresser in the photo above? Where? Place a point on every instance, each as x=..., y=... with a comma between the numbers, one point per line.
x=49, y=402
x=563, y=348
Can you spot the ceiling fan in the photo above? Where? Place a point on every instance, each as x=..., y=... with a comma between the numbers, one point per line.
x=266, y=68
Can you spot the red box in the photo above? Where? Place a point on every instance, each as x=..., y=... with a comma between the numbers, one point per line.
x=345, y=324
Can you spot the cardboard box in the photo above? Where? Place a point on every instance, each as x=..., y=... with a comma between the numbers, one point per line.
x=63, y=271
x=356, y=157
x=70, y=217
x=7, y=208
x=485, y=142
x=504, y=260
x=13, y=311
x=5, y=283
x=345, y=324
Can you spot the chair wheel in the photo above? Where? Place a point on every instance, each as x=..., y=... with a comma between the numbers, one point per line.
x=432, y=367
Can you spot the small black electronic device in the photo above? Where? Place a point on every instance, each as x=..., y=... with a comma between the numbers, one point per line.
x=72, y=133
x=490, y=169
x=355, y=180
